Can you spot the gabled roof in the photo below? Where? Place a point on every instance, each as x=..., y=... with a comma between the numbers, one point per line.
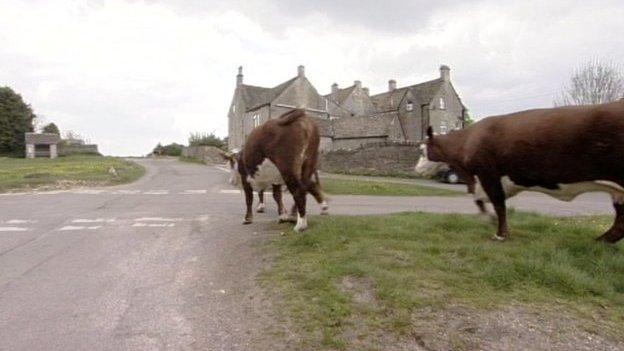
x=341, y=95
x=424, y=92
x=255, y=96
x=41, y=138
x=362, y=126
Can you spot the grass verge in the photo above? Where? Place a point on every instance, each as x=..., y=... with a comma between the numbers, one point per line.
x=373, y=274
x=357, y=187
x=19, y=174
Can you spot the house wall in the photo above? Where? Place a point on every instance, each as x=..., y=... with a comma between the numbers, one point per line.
x=354, y=143
x=248, y=122
x=235, y=121
x=359, y=103
x=411, y=120
x=451, y=116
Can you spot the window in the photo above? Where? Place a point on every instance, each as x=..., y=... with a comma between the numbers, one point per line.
x=409, y=106
x=442, y=104
x=256, y=120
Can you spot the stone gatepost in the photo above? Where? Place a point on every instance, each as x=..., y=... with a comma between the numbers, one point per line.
x=53, y=151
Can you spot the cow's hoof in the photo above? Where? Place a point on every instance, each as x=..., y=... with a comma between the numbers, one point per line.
x=247, y=221
x=260, y=208
x=302, y=224
x=324, y=209
x=499, y=238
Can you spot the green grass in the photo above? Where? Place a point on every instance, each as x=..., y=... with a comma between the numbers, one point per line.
x=362, y=187
x=414, y=260
x=19, y=174
x=191, y=159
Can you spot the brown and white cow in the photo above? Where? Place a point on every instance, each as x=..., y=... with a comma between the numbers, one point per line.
x=561, y=151
x=281, y=151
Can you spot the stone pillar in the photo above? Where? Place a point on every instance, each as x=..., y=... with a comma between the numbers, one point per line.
x=53, y=151
x=30, y=150
x=392, y=85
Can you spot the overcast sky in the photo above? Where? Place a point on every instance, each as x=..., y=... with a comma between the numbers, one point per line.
x=130, y=74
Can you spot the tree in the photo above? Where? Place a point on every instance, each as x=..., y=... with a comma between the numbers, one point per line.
x=596, y=82
x=16, y=118
x=51, y=128
x=208, y=139
x=172, y=149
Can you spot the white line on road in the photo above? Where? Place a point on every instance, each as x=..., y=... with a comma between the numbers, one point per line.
x=13, y=229
x=79, y=227
x=127, y=192
x=157, y=219
x=156, y=192
x=194, y=192
x=223, y=169
x=97, y=220
x=229, y=191
x=20, y=221
x=153, y=225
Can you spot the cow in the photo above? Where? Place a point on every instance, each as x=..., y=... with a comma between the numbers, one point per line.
x=276, y=184
x=282, y=151
x=562, y=151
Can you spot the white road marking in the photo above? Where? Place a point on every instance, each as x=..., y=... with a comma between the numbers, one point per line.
x=97, y=220
x=94, y=227
x=20, y=221
x=194, y=192
x=156, y=192
x=223, y=169
x=229, y=191
x=153, y=225
x=79, y=227
x=127, y=192
x=13, y=229
x=157, y=219
x=88, y=191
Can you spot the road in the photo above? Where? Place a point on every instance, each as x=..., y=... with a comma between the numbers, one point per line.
x=163, y=263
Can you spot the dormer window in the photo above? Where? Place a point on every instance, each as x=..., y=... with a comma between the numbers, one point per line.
x=409, y=106
x=442, y=104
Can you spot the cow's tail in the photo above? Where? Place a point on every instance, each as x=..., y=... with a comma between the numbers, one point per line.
x=290, y=117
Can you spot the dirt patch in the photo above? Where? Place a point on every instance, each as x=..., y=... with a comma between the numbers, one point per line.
x=512, y=328
x=362, y=290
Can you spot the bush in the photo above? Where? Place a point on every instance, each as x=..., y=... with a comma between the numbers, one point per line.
x=172, y=149
x=207, y=139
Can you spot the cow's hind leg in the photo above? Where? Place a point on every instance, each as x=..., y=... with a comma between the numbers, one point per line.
x=314, y=187
x=281, y=210
x=260, y=208
x=298, y=190
x=616, y=232
x=494, y=190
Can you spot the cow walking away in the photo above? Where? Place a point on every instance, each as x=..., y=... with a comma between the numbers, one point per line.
x=561, y=151
x=282, y=151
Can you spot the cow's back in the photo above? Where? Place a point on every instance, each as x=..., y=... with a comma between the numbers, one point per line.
x=550, y=146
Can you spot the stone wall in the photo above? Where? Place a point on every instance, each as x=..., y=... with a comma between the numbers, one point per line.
x=206, y=154
x=77, y=149
x=384, y=158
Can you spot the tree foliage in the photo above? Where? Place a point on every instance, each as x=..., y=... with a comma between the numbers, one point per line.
x=596, y=82
x=16, y=118
x=172, y=149
x=51, y=128
x=207, y=139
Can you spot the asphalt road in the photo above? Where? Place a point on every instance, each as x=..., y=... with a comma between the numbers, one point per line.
x=163, y=263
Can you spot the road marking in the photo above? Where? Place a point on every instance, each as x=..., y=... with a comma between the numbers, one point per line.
x=13, y=229
x=97, y=220
x=89, y=191
x=156, y=192
x=194, y=192
x=223, y=169
x=20, y=221
x=157, y=219
x=229, y=191
x=79, y=227
x=127, y=192
x=153, y=225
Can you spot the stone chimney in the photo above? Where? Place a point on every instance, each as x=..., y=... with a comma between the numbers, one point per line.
x=239, y=76
x=358, y=84
x=366, y=91
x=334, y=88
x=301, y=71
x=391, y=85
x=445, y=73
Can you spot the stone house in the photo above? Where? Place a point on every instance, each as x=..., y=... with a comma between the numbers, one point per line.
x=350, y=117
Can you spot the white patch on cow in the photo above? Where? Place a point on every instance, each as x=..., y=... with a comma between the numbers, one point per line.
x=566, y=192
x=324, y=208
x=427, y=168
x=302, y=223
x=260, y=207
x=266, y=176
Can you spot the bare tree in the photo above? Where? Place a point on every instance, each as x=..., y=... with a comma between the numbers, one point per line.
x=595, y=82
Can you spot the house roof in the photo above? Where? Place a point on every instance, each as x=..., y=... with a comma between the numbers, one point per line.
x=255, y=96
x=424, y=92
x=341, y=95
x=362, y=126
x=42, y=138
